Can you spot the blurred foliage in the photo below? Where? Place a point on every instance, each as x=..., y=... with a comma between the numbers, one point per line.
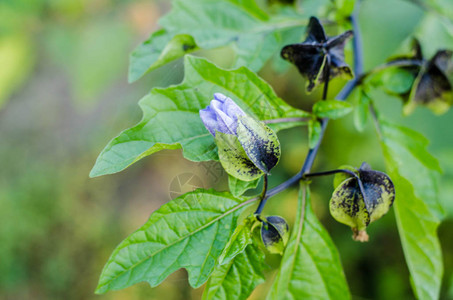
x=58, y=227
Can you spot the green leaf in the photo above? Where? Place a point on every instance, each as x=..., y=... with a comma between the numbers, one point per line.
x=314, y=132
x=171, y=116
x=310, y=267
x=397, y=80
x=237, y=279
x=259, y=142
x=212, y=23
x=332, y=109
x=362, y=109
x=158, y=50
x=239, y=187
x=253, y=50
x=417, y=209
x=215, y=23
x=234, y=159
x=189, y=232
x=241, y=237
x=416, y=164
x=418, y=232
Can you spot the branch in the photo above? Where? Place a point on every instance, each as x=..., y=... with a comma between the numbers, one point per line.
x=263, y=197
x=342, y=95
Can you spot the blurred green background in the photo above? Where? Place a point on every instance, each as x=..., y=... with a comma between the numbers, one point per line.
x=64, y=95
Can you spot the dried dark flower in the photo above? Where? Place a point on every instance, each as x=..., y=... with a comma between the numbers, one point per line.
x=318, y=53
x=431, y=86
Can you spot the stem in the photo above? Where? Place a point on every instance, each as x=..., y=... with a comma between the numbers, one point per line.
x=283, y=186
x=263, y=197
x=326, y=78
x=307, y=175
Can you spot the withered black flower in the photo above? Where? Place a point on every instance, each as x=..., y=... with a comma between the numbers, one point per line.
x=318, y=54
x=431, y=86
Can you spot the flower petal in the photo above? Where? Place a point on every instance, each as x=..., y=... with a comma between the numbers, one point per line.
x=209, y=119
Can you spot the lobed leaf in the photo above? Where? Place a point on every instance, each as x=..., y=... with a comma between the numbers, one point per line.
x=417, y=208
x=310, y=267
x=189, y=232
x=171, y=115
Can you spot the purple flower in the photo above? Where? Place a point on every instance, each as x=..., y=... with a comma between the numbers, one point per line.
x=221, y=115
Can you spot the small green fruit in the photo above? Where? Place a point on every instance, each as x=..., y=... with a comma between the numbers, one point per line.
x=275, y=234
x=349, y=206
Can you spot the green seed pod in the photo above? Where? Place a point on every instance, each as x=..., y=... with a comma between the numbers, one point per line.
x=275, y=234
x=358, y=207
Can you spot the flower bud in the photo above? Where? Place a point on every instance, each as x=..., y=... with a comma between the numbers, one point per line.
x=275, y=234
x=358, y=208
x=247, y=147
x=221, y=115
